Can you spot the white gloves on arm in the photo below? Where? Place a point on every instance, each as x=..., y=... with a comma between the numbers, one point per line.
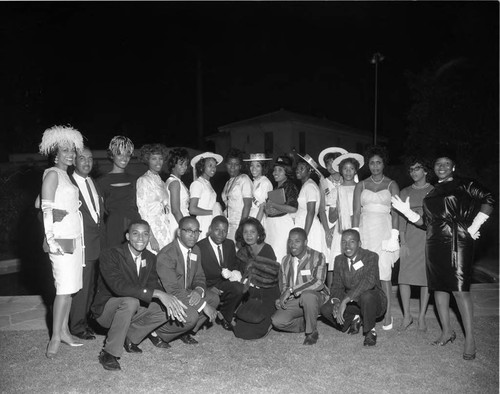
x=48, y=224
x=476, y=224
x=404, y=208
x=233, y=276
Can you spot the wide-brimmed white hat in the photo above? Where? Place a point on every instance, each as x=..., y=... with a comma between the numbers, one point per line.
x=309, y=160
x=324, y=152
x=359, y=158
x=205, y=155
x=258, y=157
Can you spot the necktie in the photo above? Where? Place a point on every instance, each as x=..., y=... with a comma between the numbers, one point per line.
x=188, y=267
x=92, y=198
x=351, y=262
x=138, y=264
x=219, y=251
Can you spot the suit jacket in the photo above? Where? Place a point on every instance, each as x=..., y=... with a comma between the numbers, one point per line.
x=118, y=277
x=172, y=274
x=210, y=262
x=355, y=282
x=311, y=269
x=93, y=233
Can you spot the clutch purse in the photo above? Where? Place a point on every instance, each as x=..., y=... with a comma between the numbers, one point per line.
x=277, y=196
x=68, y=245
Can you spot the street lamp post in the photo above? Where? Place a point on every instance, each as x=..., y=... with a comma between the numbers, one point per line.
x=376, y=59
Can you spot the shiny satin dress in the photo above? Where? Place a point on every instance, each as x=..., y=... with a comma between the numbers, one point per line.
x=449, y=210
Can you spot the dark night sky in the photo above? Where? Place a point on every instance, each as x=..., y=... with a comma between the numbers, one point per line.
x=113, y=68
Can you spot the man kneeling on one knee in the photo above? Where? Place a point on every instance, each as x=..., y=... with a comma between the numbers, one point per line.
x=357, y=297
x=302, y=285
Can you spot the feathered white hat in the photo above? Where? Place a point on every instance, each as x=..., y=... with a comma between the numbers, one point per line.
x=60, y=136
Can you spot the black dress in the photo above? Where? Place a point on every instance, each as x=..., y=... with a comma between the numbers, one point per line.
x=449, y=210
x=253, y=317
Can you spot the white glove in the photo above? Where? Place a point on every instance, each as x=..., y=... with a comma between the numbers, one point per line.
x=391, y=244
x=226, y=274
x=404, y=208
x=235, y=276
x=48, y=224
x=476, y=224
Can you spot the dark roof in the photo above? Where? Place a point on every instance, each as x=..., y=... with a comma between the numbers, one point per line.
x=287, y=116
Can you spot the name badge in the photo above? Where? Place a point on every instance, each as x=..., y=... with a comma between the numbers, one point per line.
x=143, y=263
x=357, y=265
x=305, y=272
x=194, y=257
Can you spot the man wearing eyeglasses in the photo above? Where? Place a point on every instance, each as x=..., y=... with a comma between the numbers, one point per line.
x=180, y=272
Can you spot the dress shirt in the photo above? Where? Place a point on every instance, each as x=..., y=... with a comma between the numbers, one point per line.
x=137, y=260
x=80, y=181
x=216, y=250
x=184, y=252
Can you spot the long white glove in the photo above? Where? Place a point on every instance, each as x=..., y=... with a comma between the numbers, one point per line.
x=404, y=208
x=476, y=224
x=48, y=224
x=391, y=244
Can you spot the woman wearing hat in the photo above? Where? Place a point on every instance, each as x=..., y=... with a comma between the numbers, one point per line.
x=63, y=239
x=279, y=220
x=376, y=222
x=237, y=192
x=453, y=213
x=261, y=185
x=153, y=198
x=203, y=201
x=177, y=164
x=119, y=191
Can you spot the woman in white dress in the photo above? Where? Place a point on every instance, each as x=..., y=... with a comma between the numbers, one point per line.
x=237, y=192
x=63, y=239
x=177, y=164
x=203, y=199
x=261, y=185
x=153, y=198
x=308, y=208
x=376, y=222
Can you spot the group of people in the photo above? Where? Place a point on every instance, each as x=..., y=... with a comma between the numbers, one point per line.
x=169, y=258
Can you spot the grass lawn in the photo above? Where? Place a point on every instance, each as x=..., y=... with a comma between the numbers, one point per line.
x=400, y=363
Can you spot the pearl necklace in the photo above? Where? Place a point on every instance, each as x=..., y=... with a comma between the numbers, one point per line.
x=420, y=187
x=379, y=182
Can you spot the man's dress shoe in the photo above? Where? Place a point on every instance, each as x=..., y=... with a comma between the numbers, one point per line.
x=370, y=338
x=158, y=342
x=225, y=324
x=311, y=338
x=355, y=326
x=131, y=347
x=86, y=335
x=109, y=361
x=188, y=339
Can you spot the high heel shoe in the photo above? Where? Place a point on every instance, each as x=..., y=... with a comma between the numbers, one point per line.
x=389, y=326
x=451, y=339
x=52, y=350
x=404, y=327
x=469, y=357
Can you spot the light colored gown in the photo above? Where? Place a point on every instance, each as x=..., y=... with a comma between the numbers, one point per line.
x=329, y=190
x=184, y=202
x=310, y=193
x=152, y=202
x=67, y=269
x=261, y=187
x=235, y=190
x=345, y=208
x=202, y=189
x=375, y=226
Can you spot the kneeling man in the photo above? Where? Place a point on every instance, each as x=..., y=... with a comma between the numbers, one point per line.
x=357, y=297
x=124, y=303
x=180, y=272
x=302, y=285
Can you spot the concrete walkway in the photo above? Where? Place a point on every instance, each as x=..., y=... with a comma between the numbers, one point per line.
x=29, y=312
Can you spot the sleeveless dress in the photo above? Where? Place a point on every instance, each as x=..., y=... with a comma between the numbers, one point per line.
x=68, y=268
x=329, y=189
x=316, y=237
x=261, y=187
x=202, y=189
x=375, y=226
x=412, y=252
x=235, y=190
x=345, y=197
x=184, y=203
x=120, y=205
x=152, y=202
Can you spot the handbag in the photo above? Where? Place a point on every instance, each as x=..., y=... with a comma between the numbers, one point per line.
x=251, y=311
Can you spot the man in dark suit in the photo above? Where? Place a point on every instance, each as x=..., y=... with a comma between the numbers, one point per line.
x=180, y=272
x=91, y=209
x=129, y=300
x=356, y=295
x=218, y=253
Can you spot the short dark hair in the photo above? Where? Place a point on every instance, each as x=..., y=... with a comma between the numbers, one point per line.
x=152, y=149
x=175, y=156
x=331, y=156
x=136, y=222
x=186, y=219
x=377, y=150
x=414, y=159
x=235, y=153
x=350, y=160
x=200, y=166
x=261, y=233
x=219, y=219
x=353, y=232
x=298, y=230
x=263, y=163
